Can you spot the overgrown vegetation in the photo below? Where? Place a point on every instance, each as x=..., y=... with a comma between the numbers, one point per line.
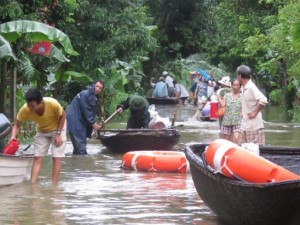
x=125, y=43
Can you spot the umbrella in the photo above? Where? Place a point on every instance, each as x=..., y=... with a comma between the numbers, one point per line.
x=206, y=76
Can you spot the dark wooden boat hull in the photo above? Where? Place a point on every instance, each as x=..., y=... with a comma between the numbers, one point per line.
x=163, y=101
x=237, y=202
x=122, y=142
x=207, y=119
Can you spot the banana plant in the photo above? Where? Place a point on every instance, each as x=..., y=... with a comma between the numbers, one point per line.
x=24, y=31
x=5, y=49
x=35, y=32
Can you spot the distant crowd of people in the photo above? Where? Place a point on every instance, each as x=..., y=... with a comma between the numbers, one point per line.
x=241, y=101
x=167, y=87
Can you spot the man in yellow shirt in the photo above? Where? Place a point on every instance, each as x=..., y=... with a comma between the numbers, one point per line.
x=50, y=117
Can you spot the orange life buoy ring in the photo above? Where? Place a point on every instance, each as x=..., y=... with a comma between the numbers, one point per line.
x=234, y=162
x=156, y=161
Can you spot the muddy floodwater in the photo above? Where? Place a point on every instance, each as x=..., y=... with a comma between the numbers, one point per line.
x=94, y=190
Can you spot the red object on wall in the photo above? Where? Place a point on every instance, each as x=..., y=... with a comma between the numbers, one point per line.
x=41, y=48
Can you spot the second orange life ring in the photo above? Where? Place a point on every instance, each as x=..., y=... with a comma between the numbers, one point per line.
x=155, y=161
x=234, y=162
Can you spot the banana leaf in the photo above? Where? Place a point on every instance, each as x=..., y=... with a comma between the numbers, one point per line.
x=56, y=53
x=81, y=77
x=5, y=49
x=13, y=30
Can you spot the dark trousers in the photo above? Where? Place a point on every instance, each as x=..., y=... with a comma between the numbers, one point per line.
x=79, y=145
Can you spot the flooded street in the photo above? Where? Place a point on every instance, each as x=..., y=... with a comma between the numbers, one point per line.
x=94, y=190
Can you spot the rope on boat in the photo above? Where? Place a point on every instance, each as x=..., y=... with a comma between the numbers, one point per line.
x=229, y=170
x=152, y=168
x=183, y=165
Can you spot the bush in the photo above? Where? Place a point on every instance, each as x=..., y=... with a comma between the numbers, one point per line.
x=275, y=97
x=295, y=113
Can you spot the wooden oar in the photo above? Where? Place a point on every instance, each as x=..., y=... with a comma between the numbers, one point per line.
x=109, y=118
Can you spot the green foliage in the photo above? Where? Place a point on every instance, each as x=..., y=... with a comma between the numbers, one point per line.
x=295, y=113
x=289, y=93
x=182, y=26
x=119, y=79
x=5, y=49
x=10, y=10
x=124, y=43
x=275, y=97
x=107, y=32
x=194, y=62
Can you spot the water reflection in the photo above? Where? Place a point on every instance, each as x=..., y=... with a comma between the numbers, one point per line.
x=31, y=204
x=129, y=197
x=94, y=190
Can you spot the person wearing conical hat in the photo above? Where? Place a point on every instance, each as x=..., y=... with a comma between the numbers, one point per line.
x=139, y=114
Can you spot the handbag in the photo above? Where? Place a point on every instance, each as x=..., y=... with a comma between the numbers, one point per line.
x=221, y=111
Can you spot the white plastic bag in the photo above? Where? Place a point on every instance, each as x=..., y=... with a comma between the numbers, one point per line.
x=251, y=147
x=157, y=122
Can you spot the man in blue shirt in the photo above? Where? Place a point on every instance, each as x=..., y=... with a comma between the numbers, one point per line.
x=161, y=89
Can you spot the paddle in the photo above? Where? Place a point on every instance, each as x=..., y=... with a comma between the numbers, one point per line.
x=108, y=119
x=140, y=130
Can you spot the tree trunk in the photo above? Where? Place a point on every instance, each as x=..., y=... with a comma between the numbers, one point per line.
x=3, y=85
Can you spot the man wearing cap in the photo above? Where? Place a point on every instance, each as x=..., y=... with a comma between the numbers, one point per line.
x=169, y=82
x=252, y=127
x=139, y=115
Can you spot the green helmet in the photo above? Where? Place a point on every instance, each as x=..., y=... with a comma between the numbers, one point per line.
x=137, y=103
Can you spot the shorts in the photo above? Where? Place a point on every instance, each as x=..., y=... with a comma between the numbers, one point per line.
x=42, y=141
x=256, y=137
x=230, y=129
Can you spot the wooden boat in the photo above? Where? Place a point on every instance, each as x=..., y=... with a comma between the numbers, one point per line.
x=239, y=202
x=14, y=168
x=122, y=141
x=163, y=101
x=206, y=119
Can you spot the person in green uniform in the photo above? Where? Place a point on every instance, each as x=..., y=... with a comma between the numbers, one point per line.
x=139, y=115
